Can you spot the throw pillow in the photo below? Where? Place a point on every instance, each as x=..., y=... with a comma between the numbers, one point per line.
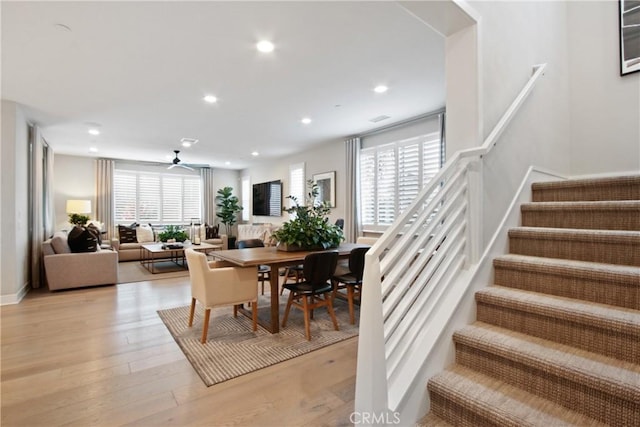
x=144, y=234
x=212, y=231
x=82, y=240
x=96, y=232
x=60, y=245
x=127, y=234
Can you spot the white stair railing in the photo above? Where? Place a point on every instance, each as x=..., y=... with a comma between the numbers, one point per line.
x=408, y=271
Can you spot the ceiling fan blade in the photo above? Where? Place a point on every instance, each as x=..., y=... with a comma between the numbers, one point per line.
x=172, y=166
x=186, y=167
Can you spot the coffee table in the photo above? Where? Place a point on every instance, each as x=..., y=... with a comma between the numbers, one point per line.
x=152, y=253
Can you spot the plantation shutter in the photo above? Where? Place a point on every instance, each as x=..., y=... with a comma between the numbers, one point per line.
x=368, y=186
x=296, y=184
x=172, y=198
x=125, y=197
x=386, y=174
x=409, y=182
x=191, y=198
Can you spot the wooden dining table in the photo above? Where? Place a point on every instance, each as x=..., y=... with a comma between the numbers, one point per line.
x=275, y=259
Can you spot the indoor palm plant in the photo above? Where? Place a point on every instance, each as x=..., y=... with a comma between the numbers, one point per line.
x=227, y=209
x=310, y=229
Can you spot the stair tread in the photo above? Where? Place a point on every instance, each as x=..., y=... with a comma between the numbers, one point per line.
x=580, y=206
x=604, y=316
x=511, y=405
x=432, y=420
x=607, y=374
x=571, y=183
x=537, y=263
x=576, y=234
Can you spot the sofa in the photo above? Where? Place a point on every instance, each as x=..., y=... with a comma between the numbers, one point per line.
x=131, y=251
x=65, y=269
x=256, y=231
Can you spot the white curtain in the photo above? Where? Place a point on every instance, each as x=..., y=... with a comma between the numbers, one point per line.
x=105, y=209
x=40, y=203
x=208, y=196
x=352, y=208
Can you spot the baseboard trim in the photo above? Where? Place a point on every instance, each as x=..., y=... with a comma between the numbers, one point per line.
x=11, y=299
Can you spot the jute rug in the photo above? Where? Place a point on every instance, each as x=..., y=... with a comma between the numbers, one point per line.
x=233, y=349
x=133, y=271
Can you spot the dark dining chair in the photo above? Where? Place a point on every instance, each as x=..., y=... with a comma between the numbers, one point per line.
x=264, y=271
x=340, y=223
x=351, y=281
x=315, y=291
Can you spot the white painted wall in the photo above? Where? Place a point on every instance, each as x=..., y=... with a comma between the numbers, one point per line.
x=74, y=178
x=14, y=242
x=514, y=36
x=605, y=107
x=326, y=157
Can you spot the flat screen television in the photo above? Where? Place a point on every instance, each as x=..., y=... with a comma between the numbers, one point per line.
x=267, y=198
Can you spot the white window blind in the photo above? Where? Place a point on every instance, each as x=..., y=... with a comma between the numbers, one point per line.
x=297, y=183
x=392, y=175
x=150, y=197
x=246, y=197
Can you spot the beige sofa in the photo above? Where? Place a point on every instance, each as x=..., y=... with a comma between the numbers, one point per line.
x=131, y=251
x=262, y=232
x=65, y=269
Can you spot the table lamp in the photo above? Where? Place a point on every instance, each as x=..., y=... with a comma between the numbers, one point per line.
x=77, y=210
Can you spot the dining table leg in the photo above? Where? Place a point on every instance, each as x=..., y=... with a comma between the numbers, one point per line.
x=274, y=280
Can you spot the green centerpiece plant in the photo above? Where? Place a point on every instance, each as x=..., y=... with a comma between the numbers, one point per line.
x=310, y=228
x=173, y=232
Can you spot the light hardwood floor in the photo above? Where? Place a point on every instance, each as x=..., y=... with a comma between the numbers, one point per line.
x=102, y=357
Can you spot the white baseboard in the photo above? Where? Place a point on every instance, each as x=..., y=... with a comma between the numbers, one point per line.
x=15, y=298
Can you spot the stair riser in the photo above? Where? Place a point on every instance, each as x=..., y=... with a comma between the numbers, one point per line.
x=458, y=415
x=593, y=251
x=608, y=342
x=587, y=194
x=611, y=292
x=536, y=380
x=593, y=220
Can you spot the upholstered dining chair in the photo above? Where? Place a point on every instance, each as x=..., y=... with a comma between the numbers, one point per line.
x=217, y=283
x=264, y=271
x=315, y=291
x=351, y=281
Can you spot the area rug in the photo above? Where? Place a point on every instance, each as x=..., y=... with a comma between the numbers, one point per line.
x=233, y=349
x=133, y=271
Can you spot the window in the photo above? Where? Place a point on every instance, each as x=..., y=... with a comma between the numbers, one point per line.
x=392, y=175
x=297, y=183
x=151, y=197
x=246, y=198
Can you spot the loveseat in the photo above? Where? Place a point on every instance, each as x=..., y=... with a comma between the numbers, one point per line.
x=65, y=269
x=130, y=251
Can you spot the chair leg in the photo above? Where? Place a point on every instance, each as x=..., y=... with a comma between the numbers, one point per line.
x=205, y=325
x=254, y=312
x=286, y=311
x=235, y=310
x=192, y=311
x=350, y=299
x=331, y=313
x=307, y=326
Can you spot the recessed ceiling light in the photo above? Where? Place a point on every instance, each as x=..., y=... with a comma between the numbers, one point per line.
x=380, y=89
x=186, y=144
x=94, y=132
x=265, y=46
x=93, y=150
x=305, y=120
x=255, y=153
x=211, y=99
x=227, y=163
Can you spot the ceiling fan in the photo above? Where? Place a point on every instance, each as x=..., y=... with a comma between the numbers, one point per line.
x=176, y=162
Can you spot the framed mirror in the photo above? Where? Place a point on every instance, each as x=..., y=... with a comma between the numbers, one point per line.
x=326, y=187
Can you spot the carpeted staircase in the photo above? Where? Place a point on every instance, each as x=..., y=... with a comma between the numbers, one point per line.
x=557, y=338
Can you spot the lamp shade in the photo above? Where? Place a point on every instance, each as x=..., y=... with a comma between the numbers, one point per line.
x=78, y=206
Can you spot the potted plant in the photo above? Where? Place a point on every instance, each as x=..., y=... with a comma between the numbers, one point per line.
x=173, y=233
x=310, y=229
x=78, y=219
x=227, y=209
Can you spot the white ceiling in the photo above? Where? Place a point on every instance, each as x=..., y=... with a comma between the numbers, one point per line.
x=139, y=71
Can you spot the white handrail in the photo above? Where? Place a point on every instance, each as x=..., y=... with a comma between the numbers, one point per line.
x=409, y=269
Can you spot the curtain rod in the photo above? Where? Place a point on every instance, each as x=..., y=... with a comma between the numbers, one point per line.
x=398, y=124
